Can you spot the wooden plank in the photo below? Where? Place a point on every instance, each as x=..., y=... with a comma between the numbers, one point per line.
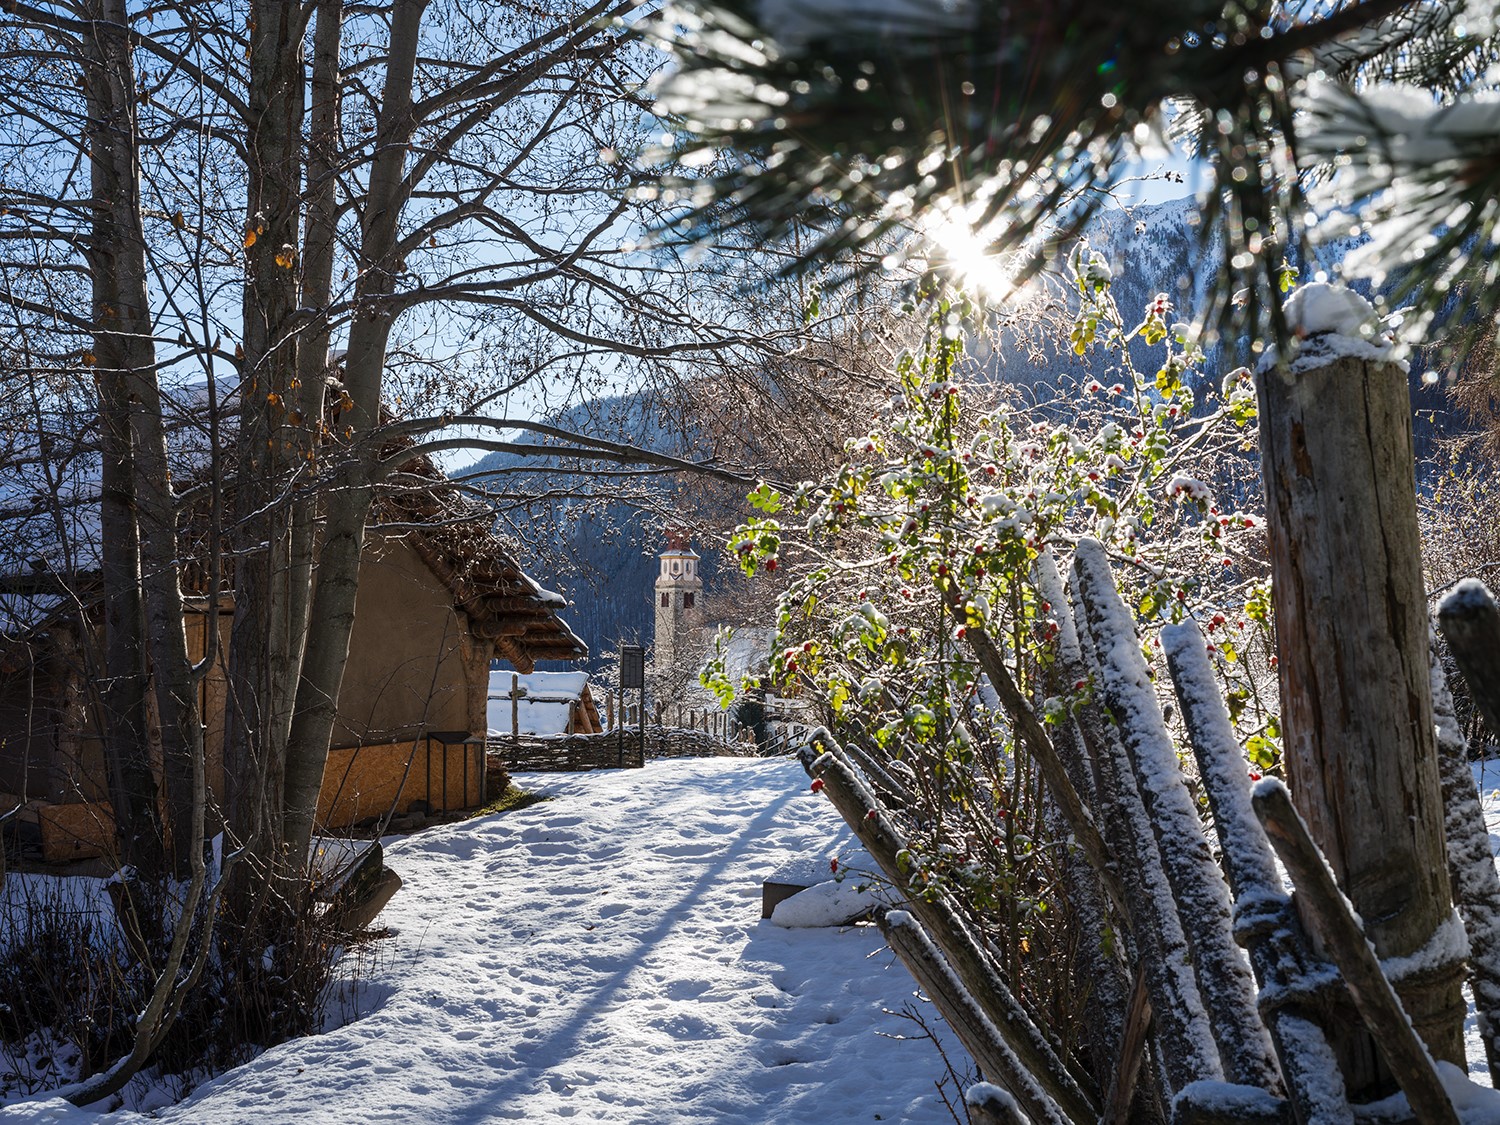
x=994, y=1054
x=367, y=781
x=81, y=830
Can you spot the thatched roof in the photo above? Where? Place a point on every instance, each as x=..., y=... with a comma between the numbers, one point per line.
x=49, y=549
x=455, y=537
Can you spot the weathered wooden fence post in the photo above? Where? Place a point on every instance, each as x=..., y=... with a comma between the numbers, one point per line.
x=1351, y=638
x=515, y=708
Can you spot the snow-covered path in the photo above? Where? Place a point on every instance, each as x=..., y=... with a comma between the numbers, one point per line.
x=600, y=957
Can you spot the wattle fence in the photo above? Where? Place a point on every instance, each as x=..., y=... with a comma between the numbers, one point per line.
x=616, y=749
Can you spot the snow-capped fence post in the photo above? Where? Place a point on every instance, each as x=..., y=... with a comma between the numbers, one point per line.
x=1185, y=1043
x=1471, y=867
x=1470, y=621
x=1351, y=638
x=515, y=709
x=1198, y=888
x=1346, y=941
x=1265, y=921
x=1112, y=1014
x=990, y=1105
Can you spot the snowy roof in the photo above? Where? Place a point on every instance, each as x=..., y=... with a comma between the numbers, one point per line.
x=539, y=685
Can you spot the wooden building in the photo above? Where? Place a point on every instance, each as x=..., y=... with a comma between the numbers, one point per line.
x=438, y=601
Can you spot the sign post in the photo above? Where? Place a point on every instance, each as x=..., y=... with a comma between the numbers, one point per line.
x=633, y=675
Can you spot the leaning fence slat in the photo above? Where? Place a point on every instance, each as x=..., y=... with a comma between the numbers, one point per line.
x=974, y=1029
x=883, y=840
x=1185, y=1043
x=1198, y=886
x=1343, y=937
x=1471, y=867
x=1107, y=1011
x=1133, y=1042
x=1033, y=736
x=1276, y=950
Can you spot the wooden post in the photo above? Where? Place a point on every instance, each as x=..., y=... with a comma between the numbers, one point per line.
x=609, y=711
x=1351, y=638
x=515, y=707
x=1470, y=621
x=1471, y=865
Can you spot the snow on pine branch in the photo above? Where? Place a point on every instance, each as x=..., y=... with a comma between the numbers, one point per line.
x=1407, y=173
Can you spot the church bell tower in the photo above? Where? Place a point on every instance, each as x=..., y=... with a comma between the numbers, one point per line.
x=679, y=592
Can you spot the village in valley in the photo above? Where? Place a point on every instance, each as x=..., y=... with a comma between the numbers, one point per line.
x=749, y=562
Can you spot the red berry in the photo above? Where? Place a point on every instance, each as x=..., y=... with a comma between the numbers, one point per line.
x=771, y=564
x=871, y=815
x=1254, y=776
x=833, y=865
x=817, y=785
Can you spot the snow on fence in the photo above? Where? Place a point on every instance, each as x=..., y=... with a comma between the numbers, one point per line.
x=1326, y=976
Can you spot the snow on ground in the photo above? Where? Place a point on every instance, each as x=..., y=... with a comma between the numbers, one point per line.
x=600, y=957
x=1487, y=778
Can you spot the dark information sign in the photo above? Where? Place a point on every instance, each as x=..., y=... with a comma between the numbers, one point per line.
x=632, y=666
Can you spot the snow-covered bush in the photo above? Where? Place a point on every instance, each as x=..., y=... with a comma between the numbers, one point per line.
x=932, y=530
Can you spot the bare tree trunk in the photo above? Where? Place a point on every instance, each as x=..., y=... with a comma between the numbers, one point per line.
x=303, y=779
x=1351, y=636
x=123, y=332
x=264, y=641
x=171, y=669
x=332, y=615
